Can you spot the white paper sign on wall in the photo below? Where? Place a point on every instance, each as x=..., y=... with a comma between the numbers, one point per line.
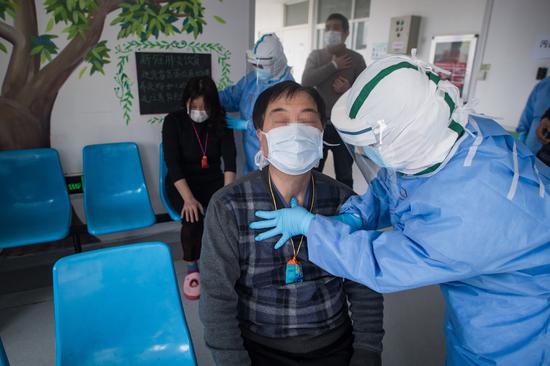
x=379, y=50
x=542, y=47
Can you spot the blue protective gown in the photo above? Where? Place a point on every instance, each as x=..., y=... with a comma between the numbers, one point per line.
x=241, y=97
x=479, y=226
x=537, y=104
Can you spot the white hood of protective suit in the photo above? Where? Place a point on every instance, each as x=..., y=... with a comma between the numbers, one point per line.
x=269, y=51
x=401, y=108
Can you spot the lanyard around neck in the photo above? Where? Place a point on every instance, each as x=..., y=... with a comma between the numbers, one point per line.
x=296, y=251
x=203, y=149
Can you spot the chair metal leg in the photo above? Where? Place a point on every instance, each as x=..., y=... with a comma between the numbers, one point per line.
x=76, y=242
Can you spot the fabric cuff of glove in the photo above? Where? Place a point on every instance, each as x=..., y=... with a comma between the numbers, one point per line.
x=349, y=219
x=306, y=223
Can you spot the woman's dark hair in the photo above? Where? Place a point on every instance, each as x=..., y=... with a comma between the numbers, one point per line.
x=204, y=86
x=286, y=89
x=343, y=20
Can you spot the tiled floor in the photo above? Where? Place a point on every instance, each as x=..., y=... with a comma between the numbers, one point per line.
x=413, y=319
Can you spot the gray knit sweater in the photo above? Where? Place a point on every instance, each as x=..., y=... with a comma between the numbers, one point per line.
x=243, y=289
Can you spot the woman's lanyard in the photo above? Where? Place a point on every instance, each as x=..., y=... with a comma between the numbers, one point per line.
x=204, y=160
x=294, y=272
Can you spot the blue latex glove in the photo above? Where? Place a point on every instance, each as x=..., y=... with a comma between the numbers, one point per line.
x=287, y=222
x=349, y=219
x=236, y=123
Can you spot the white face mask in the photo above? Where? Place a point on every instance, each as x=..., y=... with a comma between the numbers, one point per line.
x=295, y=148
x=263, y=74
x=332, y=38
x=198, y=116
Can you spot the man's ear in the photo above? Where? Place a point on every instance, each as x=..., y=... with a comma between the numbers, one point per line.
x=263, y=141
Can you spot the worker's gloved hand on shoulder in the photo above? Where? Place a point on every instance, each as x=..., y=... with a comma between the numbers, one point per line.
x=287, y=222
x=236, y=123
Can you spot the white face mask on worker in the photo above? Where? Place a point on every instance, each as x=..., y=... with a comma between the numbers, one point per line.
x=295, y=148
x=332, y=38
x=198, y=116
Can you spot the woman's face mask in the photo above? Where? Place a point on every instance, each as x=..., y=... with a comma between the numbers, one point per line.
x=198, y=115
x=295, y=148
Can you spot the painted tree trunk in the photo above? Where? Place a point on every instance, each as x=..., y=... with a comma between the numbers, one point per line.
x=21, y=128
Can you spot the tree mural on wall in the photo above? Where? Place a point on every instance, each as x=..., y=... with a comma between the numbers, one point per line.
x=38, y=69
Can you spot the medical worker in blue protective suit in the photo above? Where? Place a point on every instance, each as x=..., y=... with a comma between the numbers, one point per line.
x=468, y=208
x=537, y=104
x=270, y=67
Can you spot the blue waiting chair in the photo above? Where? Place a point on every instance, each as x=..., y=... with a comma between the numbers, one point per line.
x=115, y=194
x=162, y=188
x=120, y=306
x=3, y=358
x=34, y=203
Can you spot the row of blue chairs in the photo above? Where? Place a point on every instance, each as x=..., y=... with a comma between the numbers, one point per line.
x=119, y=306
x=34, y=202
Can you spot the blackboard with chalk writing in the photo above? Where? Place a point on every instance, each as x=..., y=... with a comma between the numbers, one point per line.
x=162, y=76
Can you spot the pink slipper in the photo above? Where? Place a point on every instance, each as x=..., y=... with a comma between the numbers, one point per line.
x=192, y=286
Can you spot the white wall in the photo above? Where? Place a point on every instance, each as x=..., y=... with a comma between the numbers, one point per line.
x=269, y=16
x=439, y=17
x=87, y=112
x=513, y=29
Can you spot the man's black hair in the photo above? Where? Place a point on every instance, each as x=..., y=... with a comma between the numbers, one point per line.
x=286, y=89
x=343, y=20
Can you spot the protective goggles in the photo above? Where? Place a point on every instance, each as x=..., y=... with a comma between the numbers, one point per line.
x=368, y=136
x=258, y=62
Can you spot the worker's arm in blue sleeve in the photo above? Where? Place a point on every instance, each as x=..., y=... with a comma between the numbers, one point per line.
x=384, y=261
x=230, y=97
x=372, y=211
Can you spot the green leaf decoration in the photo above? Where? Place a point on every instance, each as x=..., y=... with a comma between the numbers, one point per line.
x=50, y=25
x=219, y=19
x=3, y=48
x=146, y=19
x=43, y=46
x=98, y=57
x=73, y=13
x=7, y=7
x=82, y=71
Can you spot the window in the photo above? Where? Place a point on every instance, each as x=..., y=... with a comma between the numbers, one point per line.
x=327, y=7
x=360, y=31
x=362, y=9
x=296, y=14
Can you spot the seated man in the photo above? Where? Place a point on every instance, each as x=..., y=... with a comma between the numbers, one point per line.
x=262, y=306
